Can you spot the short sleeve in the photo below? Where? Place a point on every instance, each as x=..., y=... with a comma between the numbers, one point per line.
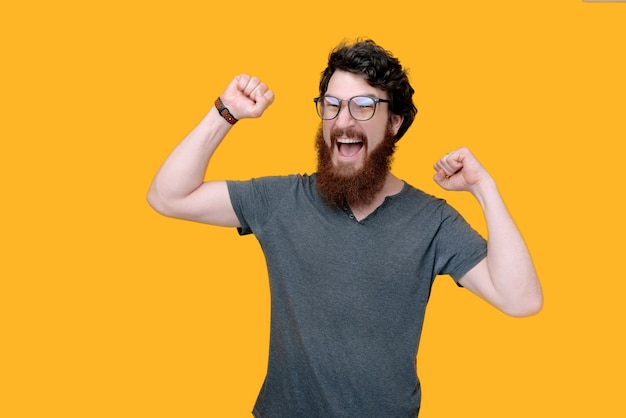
x=254, y=200
x=459, y=247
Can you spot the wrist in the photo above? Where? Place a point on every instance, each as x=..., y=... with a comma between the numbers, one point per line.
x=485, y=190
x=224, y=112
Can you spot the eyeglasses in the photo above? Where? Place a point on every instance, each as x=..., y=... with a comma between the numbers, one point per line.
x=361, y=108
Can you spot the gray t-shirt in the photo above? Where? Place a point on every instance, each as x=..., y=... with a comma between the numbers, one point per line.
x=348, y=297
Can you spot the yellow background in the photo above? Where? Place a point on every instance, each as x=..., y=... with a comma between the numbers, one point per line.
x=108, y=309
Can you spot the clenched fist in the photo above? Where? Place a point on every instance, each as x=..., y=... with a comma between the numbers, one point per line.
x=460, y=171
x=247, y=97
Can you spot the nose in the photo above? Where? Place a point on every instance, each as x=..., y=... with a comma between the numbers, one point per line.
x=344, y=119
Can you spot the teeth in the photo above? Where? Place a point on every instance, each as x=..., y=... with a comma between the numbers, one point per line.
x=348, y=141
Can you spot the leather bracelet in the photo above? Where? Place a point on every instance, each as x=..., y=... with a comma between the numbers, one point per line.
x=225, y=112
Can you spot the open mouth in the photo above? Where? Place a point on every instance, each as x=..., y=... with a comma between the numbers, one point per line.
x=348, y=147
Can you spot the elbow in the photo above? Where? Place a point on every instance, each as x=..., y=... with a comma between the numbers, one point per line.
x=157, y=203
x=526, y=307
x=153, y=199
x=154, y=205
x=525, y=299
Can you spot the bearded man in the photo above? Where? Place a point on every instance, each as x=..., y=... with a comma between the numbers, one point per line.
x=351, y=250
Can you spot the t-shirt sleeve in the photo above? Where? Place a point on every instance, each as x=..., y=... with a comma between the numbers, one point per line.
x=254, y=200
x=459, y=247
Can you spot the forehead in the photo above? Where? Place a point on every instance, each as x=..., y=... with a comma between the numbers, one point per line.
x=344, y=85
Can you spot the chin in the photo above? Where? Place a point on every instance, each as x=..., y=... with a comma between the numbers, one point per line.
x=348, y=169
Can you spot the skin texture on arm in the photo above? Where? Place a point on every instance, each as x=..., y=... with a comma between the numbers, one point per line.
x=178, y=190
x=506, y=278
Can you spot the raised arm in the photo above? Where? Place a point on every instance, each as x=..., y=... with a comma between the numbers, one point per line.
x=178, y=190
x=507, y=277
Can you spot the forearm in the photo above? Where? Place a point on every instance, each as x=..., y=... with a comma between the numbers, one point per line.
x=183, y=171
x=515, y=283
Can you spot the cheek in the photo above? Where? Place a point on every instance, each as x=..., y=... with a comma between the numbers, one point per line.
x=376, y=128
x=375, y=136
x=326, y=129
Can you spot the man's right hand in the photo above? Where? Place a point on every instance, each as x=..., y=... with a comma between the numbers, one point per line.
x=247, y=97
x=179, y=190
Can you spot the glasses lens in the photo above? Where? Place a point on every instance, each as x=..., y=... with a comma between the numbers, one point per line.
x=362, y=107
x=328, y=107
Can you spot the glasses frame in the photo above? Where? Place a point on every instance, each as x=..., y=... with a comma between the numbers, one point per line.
x=375, y=99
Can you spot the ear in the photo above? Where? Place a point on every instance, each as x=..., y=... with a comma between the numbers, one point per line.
x=396, y=122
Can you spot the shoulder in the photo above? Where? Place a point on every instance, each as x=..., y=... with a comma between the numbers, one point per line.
x=271, y=187
x=412, y=195
x=291, y=179
x=416, y=202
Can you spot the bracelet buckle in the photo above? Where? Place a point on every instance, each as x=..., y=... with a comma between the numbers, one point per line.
x=223, y=110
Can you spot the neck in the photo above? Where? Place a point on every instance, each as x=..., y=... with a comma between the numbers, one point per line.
x=392, y=186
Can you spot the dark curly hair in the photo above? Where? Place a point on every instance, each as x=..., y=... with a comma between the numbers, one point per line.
x=381, y=69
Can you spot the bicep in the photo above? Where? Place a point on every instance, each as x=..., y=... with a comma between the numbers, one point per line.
x=210, y=204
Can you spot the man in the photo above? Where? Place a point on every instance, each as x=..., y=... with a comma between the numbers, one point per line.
x=351, y=250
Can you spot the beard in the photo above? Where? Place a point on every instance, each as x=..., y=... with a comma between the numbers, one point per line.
x=341, y=184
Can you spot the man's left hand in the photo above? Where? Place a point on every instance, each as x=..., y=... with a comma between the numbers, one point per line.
x=459, y=170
